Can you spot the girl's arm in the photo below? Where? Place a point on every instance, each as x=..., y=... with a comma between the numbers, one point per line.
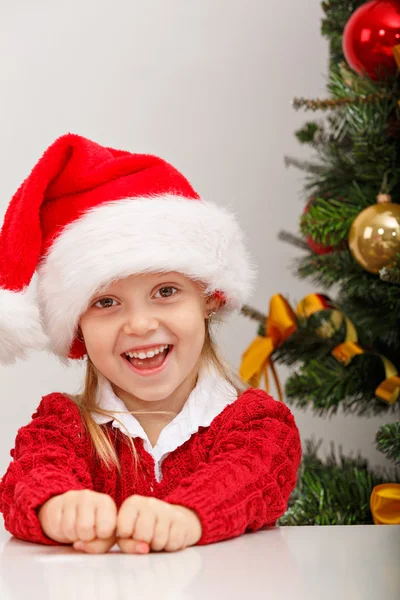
x=48, y=459
x=251, y=471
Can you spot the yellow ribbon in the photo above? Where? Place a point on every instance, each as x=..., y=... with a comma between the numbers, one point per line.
x=280, y=324
x=385, y=504
x=389, y=389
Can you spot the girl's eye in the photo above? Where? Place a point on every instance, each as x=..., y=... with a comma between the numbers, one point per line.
x=106, y=302
x=166, y=291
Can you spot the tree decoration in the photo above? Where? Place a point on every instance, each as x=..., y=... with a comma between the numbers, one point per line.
x=374, y=238
x=369, y=36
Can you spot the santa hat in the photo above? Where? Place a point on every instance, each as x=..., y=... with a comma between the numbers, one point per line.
x=87, y=215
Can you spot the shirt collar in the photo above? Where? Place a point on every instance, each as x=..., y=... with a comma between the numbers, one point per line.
x=210, y=396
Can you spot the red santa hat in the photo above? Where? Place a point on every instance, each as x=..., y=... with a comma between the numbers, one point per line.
x=87, y=215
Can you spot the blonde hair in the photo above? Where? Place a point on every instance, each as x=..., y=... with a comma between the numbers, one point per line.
x=86, y=402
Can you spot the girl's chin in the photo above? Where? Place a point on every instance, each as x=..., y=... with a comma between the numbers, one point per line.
x=155, y=395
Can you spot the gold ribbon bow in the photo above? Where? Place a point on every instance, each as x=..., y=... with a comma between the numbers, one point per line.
x=385, y=504
x=389, y=389
x=280, y=324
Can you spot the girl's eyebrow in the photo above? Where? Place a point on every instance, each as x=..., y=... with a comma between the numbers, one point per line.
x=170, y=278
x=111, y=290
x=168, y=275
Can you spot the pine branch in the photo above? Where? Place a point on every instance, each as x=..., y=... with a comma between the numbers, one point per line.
x=368, y=288
x=380, y=335
x=356, y=173
x=339, y=178
x=303, y=165
x=344, y=82
x=253, y=313
x=337, y=103
x=328, y=269
x=328, y=221
x=305, y=344
x=336, y=491
x=285, y=236
x=317, y=134
x=355, y=283
x=391, y=273
x=388, y=441
x=307, y=133
x=325, y=384
x=362, y=142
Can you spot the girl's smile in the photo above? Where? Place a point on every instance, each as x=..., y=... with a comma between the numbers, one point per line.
x=148, y=363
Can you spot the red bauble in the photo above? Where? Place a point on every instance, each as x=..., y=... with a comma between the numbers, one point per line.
x=318, y=248
x=369, y=36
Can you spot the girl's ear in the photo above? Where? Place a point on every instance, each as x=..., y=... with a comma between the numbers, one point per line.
x=213, y=303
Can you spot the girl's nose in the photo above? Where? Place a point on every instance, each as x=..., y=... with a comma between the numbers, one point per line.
x=140, y=322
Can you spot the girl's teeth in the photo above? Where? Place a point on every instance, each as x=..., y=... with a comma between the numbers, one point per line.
x=149, y=354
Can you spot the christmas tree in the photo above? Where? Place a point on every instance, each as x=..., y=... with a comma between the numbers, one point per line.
x=345, y=351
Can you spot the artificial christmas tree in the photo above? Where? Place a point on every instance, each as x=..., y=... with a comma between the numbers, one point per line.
x=346, y=350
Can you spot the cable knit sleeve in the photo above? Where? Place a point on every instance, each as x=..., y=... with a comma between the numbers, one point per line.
x=251, y=471
x=48, y=459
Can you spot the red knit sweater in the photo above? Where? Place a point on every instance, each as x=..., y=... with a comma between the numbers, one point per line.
x=237, y=474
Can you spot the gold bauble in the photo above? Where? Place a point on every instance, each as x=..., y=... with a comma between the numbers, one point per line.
x=374, y=237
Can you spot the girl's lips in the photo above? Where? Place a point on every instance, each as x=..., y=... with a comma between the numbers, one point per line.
x=147, y=372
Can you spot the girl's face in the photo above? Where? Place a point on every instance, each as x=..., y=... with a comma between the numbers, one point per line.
x=141, y=314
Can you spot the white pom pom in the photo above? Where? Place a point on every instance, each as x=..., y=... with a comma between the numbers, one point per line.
x=20, y=327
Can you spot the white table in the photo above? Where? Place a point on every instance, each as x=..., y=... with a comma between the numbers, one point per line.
x=290, y=563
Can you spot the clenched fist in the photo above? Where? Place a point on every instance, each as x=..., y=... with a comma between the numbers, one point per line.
x=161, y=525
x=89, y=521
x=80, y=515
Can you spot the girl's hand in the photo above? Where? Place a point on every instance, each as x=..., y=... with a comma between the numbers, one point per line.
x=148, y=523
x=80, y=515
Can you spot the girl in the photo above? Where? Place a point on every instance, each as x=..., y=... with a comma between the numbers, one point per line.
x=164, y=448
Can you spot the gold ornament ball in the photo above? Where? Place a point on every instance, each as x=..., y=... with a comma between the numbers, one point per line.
x=374, y=237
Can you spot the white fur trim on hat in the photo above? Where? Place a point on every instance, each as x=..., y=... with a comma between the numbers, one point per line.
x=137, y=235
x=20, y=327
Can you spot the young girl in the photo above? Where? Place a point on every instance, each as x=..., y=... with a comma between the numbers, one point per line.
x=164, y=448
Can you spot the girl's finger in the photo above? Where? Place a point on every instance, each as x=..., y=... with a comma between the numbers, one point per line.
x=54, y=522
x=129, y=546
x=106, y=520
x=144, y=526
x=126, y=520
x=85, y=522
x=176, y=537
x=161, y=534
x=68, y=522
x=96, y=546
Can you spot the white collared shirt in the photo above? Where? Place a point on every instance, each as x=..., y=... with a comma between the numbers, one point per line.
x=207, y=400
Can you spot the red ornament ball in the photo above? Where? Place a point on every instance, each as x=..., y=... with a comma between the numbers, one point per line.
x=369, y=36
x=319, y=248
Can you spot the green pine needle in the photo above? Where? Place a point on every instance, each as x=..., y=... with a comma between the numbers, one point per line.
x=388, y=441
x=328, y=221
x=336, y=491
